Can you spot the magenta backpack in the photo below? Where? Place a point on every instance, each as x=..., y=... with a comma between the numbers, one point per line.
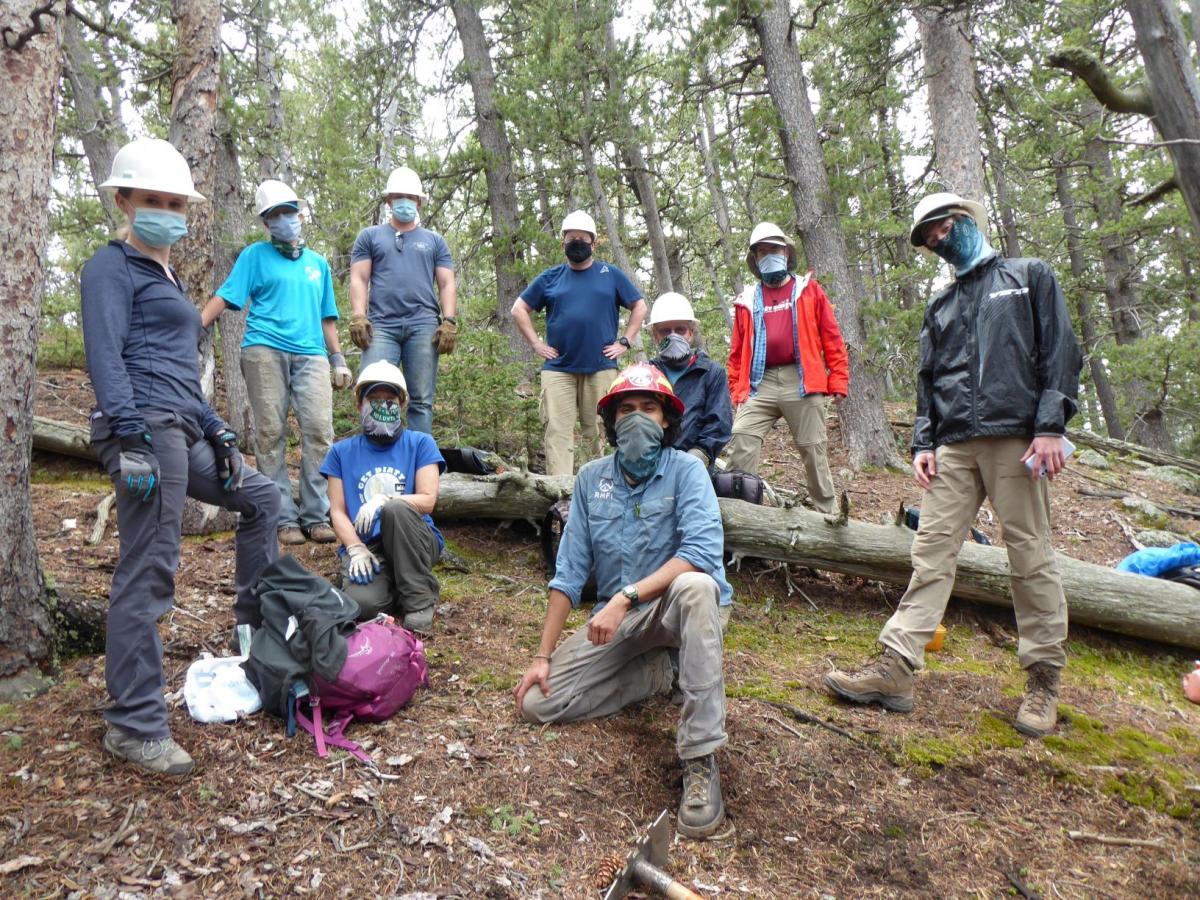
x=385, y=664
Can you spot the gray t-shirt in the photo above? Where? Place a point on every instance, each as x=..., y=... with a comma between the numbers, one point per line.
x=402, y=281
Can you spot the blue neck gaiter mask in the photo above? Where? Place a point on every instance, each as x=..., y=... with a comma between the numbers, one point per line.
x=639, y=445
x=964, y=246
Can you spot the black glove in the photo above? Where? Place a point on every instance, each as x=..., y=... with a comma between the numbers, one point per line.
x=230, y=468
x=139, y=466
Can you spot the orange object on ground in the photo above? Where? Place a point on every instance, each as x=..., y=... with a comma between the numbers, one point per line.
x=939, y=636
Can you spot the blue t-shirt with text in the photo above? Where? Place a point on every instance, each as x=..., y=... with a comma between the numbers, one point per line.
x=402, y=278
x=288, y=298
x=581, y=312
x=369, y=470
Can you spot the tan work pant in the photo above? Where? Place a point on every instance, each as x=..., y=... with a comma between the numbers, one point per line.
x=966, y=473
x=589, y=681
x=779, y=395
x=566, y=398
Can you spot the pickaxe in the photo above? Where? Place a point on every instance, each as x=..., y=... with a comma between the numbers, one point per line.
x=644, y=867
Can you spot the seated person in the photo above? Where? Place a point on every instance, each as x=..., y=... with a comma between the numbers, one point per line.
x=389, y=542
x=645, y=520
x=700, y=384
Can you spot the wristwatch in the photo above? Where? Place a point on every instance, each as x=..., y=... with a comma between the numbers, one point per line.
x=631, y=592
x=623, y=341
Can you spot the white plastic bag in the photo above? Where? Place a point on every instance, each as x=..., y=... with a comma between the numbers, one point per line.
x=217, y=690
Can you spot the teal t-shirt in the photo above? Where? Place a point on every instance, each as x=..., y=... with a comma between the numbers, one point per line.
x=288, y=298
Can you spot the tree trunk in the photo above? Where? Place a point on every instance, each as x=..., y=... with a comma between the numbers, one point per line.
x=865, y=430
x=1008, y=218
x=29, y=72
x=894, y=179
x=501, y=183
x=1100, y=382
x=100, y=134
x=950, y=83
x=706, y=137
x=1097, y=596
x=1174, y=92
x=620, y=257
x=274, y=159
x=641, y=178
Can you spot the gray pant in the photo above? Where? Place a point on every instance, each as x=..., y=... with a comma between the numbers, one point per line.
x=407, y=552
x=143, y=585
x=589, y=681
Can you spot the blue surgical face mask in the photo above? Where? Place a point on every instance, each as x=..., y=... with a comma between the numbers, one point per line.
x=159, y=227
x=773, y=268
x=285, y=227
x=964, y=246
x=639, y=445
x=404, y=210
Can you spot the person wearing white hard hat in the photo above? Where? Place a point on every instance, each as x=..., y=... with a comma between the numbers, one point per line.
x=291, y=355
x=698, y=381
x=403, y=295
x=786, y=359
x=997, y=383
x=581, y=298
x=160, y=441
x=383, y=485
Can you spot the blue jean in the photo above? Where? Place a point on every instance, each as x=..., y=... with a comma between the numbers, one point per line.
x=276, y=380
x=412, y=348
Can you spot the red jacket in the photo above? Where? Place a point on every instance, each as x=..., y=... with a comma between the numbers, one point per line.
x=818, y=339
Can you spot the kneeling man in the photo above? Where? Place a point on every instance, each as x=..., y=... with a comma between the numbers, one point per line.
x=645, y=520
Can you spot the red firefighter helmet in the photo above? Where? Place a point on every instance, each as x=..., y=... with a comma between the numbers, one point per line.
x=641, y=378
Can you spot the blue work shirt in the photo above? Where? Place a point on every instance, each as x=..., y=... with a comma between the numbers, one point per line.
x=140, y=334
x=707, y=420
x=581, y=313
x=402, y=278
x=624, y=533
x=289, y=298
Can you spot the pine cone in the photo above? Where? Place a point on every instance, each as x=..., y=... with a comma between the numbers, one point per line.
x=607, y=870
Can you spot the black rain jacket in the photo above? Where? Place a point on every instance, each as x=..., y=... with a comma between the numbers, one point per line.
x=999, y=357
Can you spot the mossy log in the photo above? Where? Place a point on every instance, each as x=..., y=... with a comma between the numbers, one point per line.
x=1097, y=596
x=62, y=438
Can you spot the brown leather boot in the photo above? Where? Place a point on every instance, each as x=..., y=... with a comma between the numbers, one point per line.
x=1039, y=710
x=886, y=680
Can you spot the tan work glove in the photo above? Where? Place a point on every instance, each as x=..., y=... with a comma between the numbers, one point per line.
x=445, y=336
x=339, y=373
x=361, y=331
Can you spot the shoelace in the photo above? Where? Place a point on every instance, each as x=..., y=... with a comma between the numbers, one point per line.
x=695, y=778
x=153, y=749
x=1040, y=691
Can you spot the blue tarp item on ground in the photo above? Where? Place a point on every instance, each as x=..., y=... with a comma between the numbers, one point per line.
x=1154, y=561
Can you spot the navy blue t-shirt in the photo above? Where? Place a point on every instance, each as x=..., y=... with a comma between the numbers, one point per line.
x=368, y=470
x=581, y=312
x=140, y=333
x=402, y=278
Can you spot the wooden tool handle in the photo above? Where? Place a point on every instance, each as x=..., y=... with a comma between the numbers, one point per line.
x=653, y=877
x=677, y=891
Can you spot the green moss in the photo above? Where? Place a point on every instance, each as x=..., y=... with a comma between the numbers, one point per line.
x=492, y=681
x=965, y=664
x=759, y=687
x=934, y=752
x=75, y=481
x=1127, y=672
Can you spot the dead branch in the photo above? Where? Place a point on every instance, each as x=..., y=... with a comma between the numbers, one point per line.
x=102, y=513
x=106, y=846
x=1084, y=65
x=1114, y=841
x=1156, y=192
x=1021, y=887
x=809, y=719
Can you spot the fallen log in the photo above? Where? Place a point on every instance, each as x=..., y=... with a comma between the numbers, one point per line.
x=62, y=438
x=1098, y=596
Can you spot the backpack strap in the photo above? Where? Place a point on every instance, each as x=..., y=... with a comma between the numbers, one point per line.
x=333, y=735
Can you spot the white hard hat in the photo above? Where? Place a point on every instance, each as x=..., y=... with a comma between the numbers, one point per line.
x=272, y=193
x=671, y=307
x=404, y=181
x=938, y=206
x=152, y=164
x=380, y=372
x=579, y=221
x=770, y=233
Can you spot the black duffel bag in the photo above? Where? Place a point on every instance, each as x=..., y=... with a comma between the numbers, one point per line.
x=554, y=523
x=735, y=485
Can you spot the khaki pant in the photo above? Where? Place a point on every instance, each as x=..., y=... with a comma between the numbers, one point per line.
x=407, y=552
x=566, y=398
x=779, y=395
x=966, y=473
x=589, y=681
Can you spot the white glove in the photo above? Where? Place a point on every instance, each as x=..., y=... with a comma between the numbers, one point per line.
x=339, y=373
x=363, y=564
x=367, y=513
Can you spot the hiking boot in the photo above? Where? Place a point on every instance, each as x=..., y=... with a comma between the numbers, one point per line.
x=162, y=755
x=1039, y=710
x=290, y=535
x=320, y=534
x=420, y=621
x=701, y=811
x=886, y=680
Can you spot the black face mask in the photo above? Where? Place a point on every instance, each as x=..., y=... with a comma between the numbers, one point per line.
x=578, y=251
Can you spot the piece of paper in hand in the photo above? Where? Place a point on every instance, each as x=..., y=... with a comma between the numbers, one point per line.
x=1068, y=449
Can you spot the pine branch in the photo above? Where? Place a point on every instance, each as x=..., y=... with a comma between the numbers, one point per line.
x=1082, y=64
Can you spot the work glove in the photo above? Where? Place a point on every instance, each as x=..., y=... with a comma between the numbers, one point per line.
x=446, y=336
x=139, y=466
x=363, y=564
x=367, y=513
x=361, y=331
x=230, y=467
x=339, y=372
